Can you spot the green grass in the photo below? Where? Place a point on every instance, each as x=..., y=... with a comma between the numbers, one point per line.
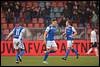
x=52, y=61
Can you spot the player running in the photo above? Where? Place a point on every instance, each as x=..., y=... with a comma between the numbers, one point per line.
x=49, y=39
x=70, y=32
x=18, y=32
x=94, y=42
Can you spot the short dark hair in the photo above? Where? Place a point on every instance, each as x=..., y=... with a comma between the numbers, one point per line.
x=53, y=20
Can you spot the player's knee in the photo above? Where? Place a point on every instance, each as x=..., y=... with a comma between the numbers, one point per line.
x=96, y=49
x=17, y=50
x=55, y=49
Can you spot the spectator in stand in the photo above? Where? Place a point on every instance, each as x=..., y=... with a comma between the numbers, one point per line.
x=94, y=19
x=28, y=15
x=74, y=16
x=66, y=11
x=8, y=16
x=17, y=14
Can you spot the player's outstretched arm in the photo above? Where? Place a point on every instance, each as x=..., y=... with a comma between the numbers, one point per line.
x=9, y=35
x=64, y=32
x=75, y=32
x=44, y=37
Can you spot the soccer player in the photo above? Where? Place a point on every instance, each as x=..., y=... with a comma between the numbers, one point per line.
x=93, y=41
x=17, y=33
x=70, y=32
x=49, y=40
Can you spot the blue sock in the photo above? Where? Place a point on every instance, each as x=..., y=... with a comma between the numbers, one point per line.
x=75, y=52
x=67, y=52
x=22, y=52
x=46, y=56
x=17, y=56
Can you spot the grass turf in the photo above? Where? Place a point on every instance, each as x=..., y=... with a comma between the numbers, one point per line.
x=52, y=61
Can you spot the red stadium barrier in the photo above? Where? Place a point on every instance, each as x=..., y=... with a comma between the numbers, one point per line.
x=36, y=48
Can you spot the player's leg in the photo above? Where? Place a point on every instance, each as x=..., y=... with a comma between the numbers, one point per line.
x=22, y=51
x=15, y=43
x=49, y=50
x=73, y=50
x=76, y=52
x=96, y=49
x=54, y=47
x=48, y=46
x=17, y=54
x=46, y=56
x=67, y=52
x=20, y=56
x=89, y=50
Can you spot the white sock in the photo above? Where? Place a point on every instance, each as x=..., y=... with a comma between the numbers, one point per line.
x=96, y=51
x=89, y=50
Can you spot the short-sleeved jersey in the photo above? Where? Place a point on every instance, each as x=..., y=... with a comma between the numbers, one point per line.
x=17, y=32
x=69, y=32
x=93, y=36
x=51, y=30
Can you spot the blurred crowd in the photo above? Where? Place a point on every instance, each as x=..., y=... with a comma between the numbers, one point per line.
x=82, y=13
x=16, y=11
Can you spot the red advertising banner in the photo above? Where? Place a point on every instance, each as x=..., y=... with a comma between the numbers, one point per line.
x=37, y=48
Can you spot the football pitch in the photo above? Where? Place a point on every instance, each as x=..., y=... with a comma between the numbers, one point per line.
x=52, y=61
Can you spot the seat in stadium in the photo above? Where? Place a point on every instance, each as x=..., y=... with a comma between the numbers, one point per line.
x=4, y=26
x=35, y=4
x=41, y=4
x=24, y=25
x=34, y=20
x=30, y=25
x=52, y=15
x=56, y=9
x=61, y=9
x=53, y=3
x=41, y=25
x=60, y=4
x=59, y=20
x=57, y=15
x=29, y=4
x=3, y=20
x=41, y=20
x=10, y=26
x=5, y=31
x=36, y=25
x=23, y=19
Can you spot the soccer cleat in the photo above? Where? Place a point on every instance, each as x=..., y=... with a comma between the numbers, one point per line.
x=45, y=62
x=17, y=62
x=64, y=58
x=20, y=58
